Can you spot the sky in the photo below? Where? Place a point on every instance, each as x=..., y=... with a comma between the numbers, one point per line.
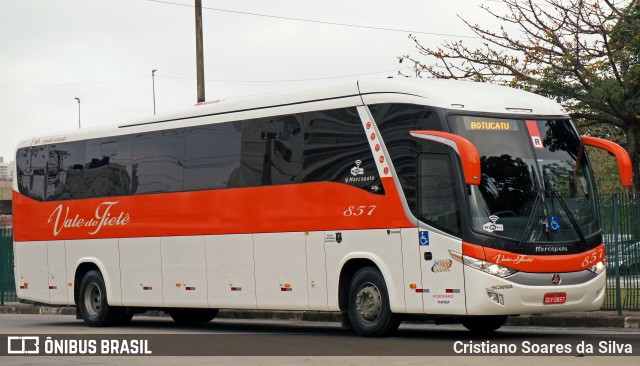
x=103, y=52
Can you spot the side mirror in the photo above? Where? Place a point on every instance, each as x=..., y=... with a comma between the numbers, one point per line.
x=463, y=147
x=624, y=161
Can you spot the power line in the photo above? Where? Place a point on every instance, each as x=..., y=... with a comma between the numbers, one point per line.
x=72, y=84
x=36, y=111
x=116, y=108
x=282, y=80
x=184, y=78
x=317, y=21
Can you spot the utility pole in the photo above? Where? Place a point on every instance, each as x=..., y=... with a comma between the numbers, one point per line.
x=199, y=53
x=78, y=99
x=153, y=86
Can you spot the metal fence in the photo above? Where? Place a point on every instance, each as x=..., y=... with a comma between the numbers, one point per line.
x=620, y=215
x=7, y=284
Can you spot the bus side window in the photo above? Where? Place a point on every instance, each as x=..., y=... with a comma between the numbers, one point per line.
x=108, y=166
x=158, y=161
x=437, y=199
x=336, y=149
x=37, y=181
x=271, y=151
x=65, y=171
x=394, y=123
x=212, y=156
x=23, y=170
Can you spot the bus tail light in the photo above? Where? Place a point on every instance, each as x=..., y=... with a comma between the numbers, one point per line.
x=484, y=266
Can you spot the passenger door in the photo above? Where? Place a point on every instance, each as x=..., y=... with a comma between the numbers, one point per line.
x=438, y=206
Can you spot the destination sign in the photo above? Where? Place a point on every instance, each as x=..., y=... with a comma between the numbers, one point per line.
x=491, y=125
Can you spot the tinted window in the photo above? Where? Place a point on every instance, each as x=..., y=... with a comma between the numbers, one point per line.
x=23, y=170
x=65, y=171
x=271, y=151
x=108, y=166
x=38, y=168
x=158, y=161
x=437, y=200
x=336, y=149
x=212, y=156
x=395, y=121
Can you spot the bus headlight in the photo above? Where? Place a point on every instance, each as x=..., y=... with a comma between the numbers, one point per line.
x=598, y=267
x=484, y=266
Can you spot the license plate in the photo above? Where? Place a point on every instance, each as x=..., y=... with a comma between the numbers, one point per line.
x=555, y=298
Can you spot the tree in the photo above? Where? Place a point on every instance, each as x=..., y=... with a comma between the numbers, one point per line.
x=584, y=54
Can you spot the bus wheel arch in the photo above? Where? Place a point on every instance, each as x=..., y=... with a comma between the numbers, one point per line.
x=365, y=300
x=90, y=295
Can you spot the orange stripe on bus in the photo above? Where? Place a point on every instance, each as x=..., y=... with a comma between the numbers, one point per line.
x=537, y=263
x=282, y=208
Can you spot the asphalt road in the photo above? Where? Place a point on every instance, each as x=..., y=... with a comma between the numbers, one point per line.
x=311, y=343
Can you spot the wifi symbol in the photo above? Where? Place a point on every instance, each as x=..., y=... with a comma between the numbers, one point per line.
x=494, y=218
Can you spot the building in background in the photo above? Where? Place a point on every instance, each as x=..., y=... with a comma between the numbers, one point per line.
x=6, y=169
x=6, y=174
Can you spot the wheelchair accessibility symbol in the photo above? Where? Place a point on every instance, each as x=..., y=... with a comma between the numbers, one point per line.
x=554, y=223
x=424, y=237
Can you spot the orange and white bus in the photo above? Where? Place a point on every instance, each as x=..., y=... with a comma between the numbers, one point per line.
x=376, y=198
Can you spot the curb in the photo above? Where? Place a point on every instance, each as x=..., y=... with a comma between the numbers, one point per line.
x=597, y=319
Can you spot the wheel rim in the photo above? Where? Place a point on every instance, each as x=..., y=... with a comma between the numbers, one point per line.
x=368, y=302
x=92, y=299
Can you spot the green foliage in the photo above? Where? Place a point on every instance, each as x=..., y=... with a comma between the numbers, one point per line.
x=586, y=55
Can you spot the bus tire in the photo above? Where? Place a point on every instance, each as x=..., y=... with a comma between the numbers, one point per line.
x=369, y=309
x=193, y=316
x=484, y=324
x=92, y=302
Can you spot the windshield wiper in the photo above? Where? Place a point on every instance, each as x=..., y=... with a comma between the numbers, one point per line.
x=552, y=193
x=534, y=209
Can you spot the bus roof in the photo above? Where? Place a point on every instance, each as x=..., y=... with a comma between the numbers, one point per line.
x=464, y=96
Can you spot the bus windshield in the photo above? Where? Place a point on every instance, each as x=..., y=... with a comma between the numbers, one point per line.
x=536, y=184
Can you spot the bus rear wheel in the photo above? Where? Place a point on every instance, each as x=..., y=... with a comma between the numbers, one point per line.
x=93, y=305
x=192, y=316
x=484, y=324
x=369, y=309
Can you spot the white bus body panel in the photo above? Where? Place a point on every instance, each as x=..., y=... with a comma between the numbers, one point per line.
x=231, y=271
x=316, y=271
x=184, y=271
x=58, y=277
x=521, y=299
x=411, y=264
x=442, y=276
x=104, y=253
x=281, y=260
x=141, y=268
x=32, y=268
x=385, y=250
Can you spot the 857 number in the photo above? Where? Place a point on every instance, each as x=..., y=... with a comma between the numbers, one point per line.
x=359, y=210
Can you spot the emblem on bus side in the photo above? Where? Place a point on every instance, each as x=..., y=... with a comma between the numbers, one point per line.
x=423, y=237
x=62, y=218
x=442, y=265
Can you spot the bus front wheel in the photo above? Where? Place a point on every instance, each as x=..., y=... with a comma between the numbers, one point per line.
x=369, y=309
x=484, y=324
